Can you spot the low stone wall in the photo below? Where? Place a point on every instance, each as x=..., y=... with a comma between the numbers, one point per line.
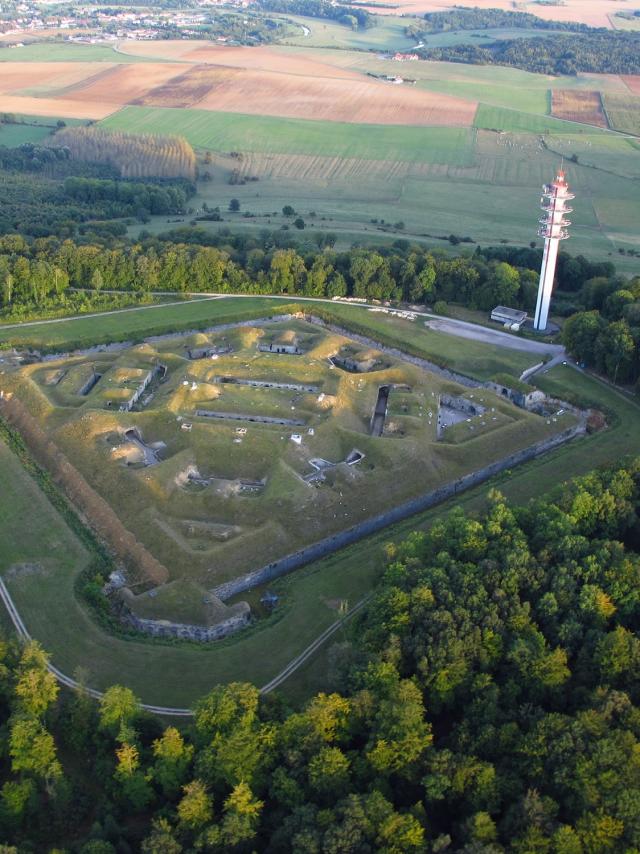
x=396, y=514
x=185, y=631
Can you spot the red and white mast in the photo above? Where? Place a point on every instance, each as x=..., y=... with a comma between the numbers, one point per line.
x=553, y=227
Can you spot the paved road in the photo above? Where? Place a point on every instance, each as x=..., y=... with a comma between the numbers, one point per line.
x=171, y=711
x=463, y=329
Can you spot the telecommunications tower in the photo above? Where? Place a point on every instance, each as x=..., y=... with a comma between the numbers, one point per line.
x=553, y=227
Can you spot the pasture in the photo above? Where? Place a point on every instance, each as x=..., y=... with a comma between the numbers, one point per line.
x=623, y=112
x=224, y=132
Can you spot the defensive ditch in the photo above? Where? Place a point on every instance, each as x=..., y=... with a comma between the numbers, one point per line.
x=312, y=389
x=258, y=419
x=380, y=411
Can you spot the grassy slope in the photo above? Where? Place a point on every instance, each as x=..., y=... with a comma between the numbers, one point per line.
x=463, y=355
x=234, y=131
x=53, y=52
x=158, y=673
x=85, y=331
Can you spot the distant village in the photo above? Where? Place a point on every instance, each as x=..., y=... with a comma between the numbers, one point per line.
x=90, y=24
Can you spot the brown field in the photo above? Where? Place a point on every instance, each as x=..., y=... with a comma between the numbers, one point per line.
x=121, y=84
x=357, y=99
x=257, y=81
x=54, y=107
x=280, y=59
x=577, y=105
x=632, y=82
x=16, y=77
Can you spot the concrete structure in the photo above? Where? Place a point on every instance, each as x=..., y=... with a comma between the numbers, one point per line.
x=553, y=227
x=512, y=318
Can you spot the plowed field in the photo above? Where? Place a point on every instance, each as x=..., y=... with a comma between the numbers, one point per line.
x=633, y=83
x=294, y=95
x=575, y=105
x=122, y=84
x=16, y=77
x=54, y=107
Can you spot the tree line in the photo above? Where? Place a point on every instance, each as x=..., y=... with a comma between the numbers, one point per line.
x=599, y=52
x=340, y=12
x=133, y=155
x=467, y=18
x=488, y=700
x=39, y=206
x=603, y=329
x=32, y=272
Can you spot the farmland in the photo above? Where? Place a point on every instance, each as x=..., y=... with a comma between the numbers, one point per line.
x=578, y=106
x=462, y=150
x=623, y=112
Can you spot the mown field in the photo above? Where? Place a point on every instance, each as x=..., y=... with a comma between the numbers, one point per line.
x=623, y=112
x=226, y=132
x=136, y=322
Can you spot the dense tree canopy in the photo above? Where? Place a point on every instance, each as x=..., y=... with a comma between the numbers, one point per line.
x=487, y=701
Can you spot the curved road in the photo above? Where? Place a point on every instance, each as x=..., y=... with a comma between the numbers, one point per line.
x=170, y=711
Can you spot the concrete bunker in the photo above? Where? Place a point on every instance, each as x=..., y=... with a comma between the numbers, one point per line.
x=380, y=411
x=158, y=372
x=321, y=465
x=90, y=384
x=136, y=451
x=453, y=409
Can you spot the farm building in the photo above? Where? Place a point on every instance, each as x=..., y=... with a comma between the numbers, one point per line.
x=511, y=317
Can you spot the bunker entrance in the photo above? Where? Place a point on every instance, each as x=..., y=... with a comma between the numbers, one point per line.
x=380, y=411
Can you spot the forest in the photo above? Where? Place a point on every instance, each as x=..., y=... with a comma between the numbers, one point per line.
x=40, y=206
x=599, y=52
x=486, y=701
x=343, y=14
x=37, y=274
x=467, y=18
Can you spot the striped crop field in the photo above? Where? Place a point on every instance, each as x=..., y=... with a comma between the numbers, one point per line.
x=225, y=132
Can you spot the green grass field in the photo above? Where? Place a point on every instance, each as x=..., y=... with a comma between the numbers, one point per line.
x=623, y=112
x=500, y=118
x=388, y=34
x=226, y=132
x=55, y=52
x=117, y=326
x=12, y=136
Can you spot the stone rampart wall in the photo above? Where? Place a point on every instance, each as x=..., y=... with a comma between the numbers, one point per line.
x=396, y=514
